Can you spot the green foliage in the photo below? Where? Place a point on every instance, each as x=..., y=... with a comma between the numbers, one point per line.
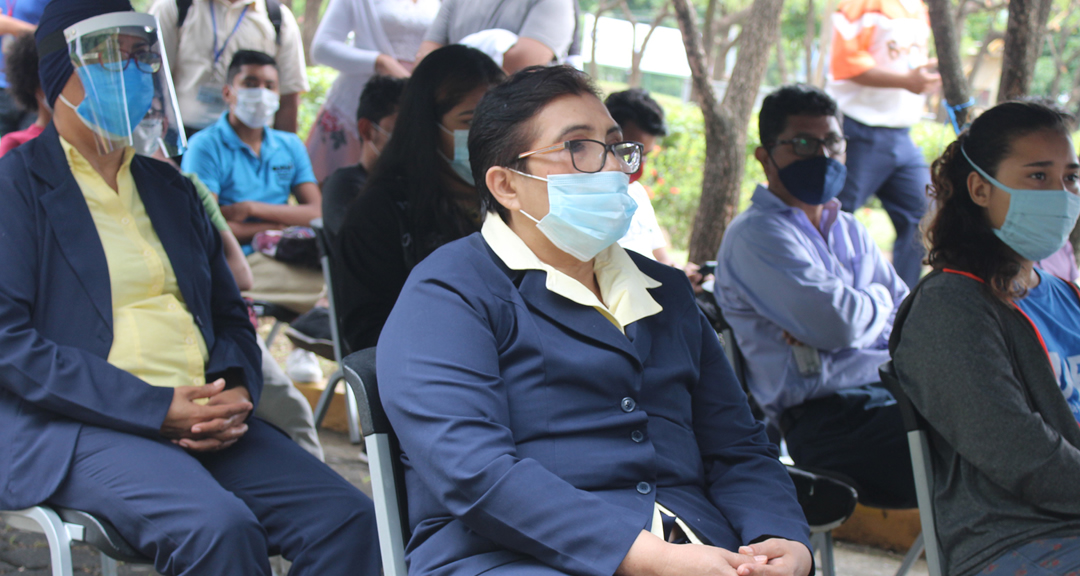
x=319, y=78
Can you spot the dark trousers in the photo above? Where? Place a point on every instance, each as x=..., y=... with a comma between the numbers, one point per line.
x=885, y=162
x=224, y=513
x=13, y=118
x=857, y=433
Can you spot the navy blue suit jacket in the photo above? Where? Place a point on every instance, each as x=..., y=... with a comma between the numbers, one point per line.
x=56, y=314
x=534, y=431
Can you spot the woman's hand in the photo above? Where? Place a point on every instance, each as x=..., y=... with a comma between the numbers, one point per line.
x=651, y=556
x=782, y=558
x=213, y=426
x=386, y=65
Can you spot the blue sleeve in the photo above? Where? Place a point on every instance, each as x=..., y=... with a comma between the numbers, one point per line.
x=235, y=355
x=451, y=388
x=745, y=479
x=304, y=172
x=64, y=379
x=782, y=281
x=203, y=158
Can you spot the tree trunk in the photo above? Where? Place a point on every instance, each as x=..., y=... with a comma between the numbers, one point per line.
x=635, y=62
x=954, y=84
x=1023, y=43
x=593, y=70
x=808, y=39
x=726, y=122
x=824, y=43
x=781, y=63
x=312, y=11
x=991, y=35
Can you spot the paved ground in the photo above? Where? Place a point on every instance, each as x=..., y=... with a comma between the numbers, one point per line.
x=28, y=555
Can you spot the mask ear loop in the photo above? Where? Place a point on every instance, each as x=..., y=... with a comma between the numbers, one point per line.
x=526, y=214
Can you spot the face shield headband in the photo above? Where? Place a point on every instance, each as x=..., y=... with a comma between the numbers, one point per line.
x=129, y=98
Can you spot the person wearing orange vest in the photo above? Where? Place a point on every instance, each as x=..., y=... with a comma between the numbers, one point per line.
x=880, y=75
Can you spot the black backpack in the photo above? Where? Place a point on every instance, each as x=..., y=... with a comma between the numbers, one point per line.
x=273, y=10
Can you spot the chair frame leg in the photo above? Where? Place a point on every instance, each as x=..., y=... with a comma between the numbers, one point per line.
x=912, y=556
x=351, y=411
x=55, y=531
x=824, y=543
x=108, y=566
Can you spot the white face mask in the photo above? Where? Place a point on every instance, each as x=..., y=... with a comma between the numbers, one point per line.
x=255, y=107
x=145, y=137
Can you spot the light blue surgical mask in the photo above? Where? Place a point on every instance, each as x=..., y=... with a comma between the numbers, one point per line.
x=460, y=162
x=586, y=212
x=1038, y=222
x=115, y=101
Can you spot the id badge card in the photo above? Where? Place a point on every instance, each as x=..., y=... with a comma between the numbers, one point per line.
x=210, y=97
x=808, y=360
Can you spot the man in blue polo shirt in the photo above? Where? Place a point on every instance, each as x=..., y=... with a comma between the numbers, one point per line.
x=253, y=169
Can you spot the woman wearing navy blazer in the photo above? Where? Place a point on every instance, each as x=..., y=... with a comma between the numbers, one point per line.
x=128, y=365
x=562, y=405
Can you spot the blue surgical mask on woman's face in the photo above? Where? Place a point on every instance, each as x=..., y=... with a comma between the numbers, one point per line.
x=814, y=180
x=460, y=163
x=105, y=89
x=586, y=212
x=1038, y=222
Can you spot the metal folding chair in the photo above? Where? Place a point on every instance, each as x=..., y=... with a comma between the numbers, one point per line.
x=323, y=405
x=62, y=527
x=919, y=445
x=387, y=471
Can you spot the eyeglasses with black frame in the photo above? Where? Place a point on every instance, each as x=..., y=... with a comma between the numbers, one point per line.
x=806, y=147
x=145, y=60
x=590, y=156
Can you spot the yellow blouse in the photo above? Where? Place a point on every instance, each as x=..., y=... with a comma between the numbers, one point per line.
x=154, y=335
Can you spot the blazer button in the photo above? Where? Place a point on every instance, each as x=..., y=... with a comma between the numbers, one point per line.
x=644, y=487
x=628, y=404
x=637, y=436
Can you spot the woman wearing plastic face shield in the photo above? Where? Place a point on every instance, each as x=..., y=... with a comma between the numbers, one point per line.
x=987, y=346
x=419, y=195
x=548, y=360
x=128, y=366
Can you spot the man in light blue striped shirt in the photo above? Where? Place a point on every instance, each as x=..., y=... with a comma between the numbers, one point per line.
x=811, y=300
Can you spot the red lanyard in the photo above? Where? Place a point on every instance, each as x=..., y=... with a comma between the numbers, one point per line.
x=1028, y=318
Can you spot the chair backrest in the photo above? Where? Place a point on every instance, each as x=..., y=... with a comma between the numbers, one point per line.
x=326, y=259
x=919, y=445
x=384, y=458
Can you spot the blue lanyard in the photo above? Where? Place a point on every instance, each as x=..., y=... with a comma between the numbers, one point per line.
x=213, y=20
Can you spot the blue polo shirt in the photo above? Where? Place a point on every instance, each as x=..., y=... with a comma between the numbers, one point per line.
x=232, y=170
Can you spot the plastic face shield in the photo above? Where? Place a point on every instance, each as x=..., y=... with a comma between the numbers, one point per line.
x=129, y=96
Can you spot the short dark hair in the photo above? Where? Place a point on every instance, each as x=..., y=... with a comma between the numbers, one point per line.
x=248, y=58
x=791, y=100
x=21, y=66
x=500, y=126
x=380, y=98
x=635, y=105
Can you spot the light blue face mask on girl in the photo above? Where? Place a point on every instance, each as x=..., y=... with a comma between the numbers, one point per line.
x=1038, y=222
x=586, y=212
x=460, y=163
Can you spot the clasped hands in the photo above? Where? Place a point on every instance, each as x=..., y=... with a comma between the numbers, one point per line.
x=208, y=427
x=652, y=556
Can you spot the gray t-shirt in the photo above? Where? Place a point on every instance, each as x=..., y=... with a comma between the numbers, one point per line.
x=550, y=22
